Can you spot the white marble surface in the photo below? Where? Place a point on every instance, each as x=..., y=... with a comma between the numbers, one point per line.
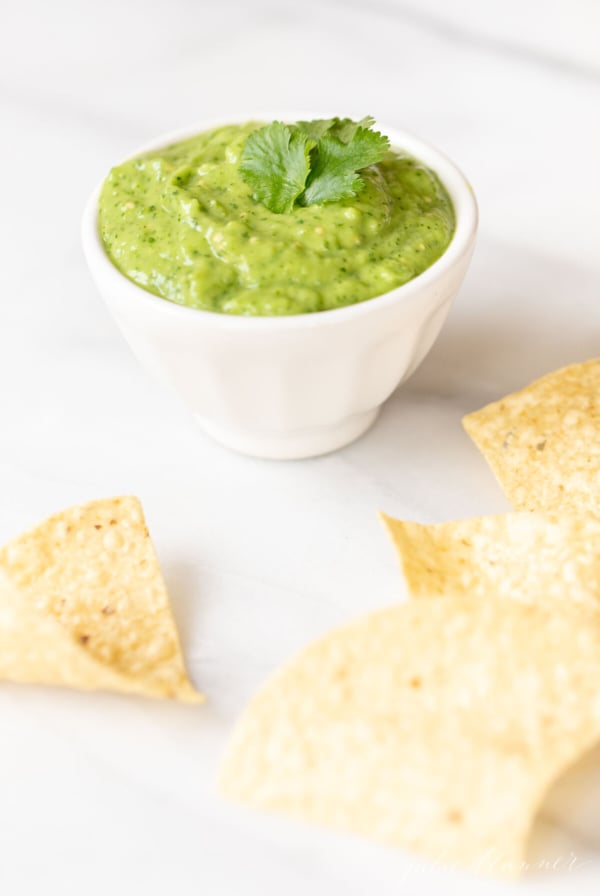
x=107, y=794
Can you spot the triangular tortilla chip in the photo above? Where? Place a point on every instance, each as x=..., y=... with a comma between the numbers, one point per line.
x=434, y=725
x=543, y=443
x=35, y=648
x=529, y=557
x=94, y=571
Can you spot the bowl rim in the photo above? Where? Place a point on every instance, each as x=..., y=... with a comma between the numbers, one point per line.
x=454, y=181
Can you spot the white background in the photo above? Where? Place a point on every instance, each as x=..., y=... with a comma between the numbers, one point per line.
x=107, y=794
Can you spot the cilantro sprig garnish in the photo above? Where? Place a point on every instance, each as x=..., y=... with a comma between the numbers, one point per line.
x=310, y=162
x=276, y=164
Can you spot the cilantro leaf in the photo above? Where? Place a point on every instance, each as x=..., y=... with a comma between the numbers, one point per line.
x=317, y=128
x=275, y=162
x=334, y=172
x=345, y=129
x=342, y=128
x=310, y=161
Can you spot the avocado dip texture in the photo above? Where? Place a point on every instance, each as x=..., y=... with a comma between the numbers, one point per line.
x=182, y=223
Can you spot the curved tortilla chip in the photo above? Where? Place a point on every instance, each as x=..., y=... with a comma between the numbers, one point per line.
x=434, y=725
x=36, y=649
x=94, y=571
x=543, y=443
x=529, y=557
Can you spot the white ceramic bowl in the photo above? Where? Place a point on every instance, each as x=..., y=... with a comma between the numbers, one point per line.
x=297, y=386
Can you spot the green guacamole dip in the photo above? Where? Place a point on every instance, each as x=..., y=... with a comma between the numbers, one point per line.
x=180, y=222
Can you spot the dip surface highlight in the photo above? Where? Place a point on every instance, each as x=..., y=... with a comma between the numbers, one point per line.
x=181, y=223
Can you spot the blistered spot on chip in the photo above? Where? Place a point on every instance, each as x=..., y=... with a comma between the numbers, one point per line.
x=543, y=443
x=94, y=571
x=435, y=725
x=529, y=557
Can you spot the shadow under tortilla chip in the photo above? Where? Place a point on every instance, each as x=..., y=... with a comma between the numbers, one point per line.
x=543, y=443
x=433, y=725
x=530, y=557
x=93, y=571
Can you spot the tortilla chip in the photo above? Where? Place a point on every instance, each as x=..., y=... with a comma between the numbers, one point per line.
x=525, y=556
x=94, y=571
x=433, y=725
x=543, y=443
x=35, y=648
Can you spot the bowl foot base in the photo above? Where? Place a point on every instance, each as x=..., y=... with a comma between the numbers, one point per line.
x=293, y=444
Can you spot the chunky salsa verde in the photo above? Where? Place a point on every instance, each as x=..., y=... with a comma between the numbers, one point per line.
x=180, y=222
